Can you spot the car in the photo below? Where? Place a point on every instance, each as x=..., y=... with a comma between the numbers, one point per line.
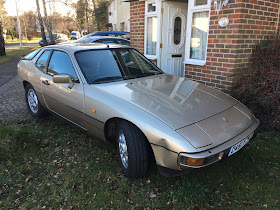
x=58, y=38
x=110, y=33
x=116, y=94
x=75, y=35
x=103, y=39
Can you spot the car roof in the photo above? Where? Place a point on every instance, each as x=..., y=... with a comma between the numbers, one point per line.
x=109, y=32
x=73, y=47
x=92, y=38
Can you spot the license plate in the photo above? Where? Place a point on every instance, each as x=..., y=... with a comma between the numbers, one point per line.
x=239, y=145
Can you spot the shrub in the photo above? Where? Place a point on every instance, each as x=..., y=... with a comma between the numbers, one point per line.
x=8, y=37
x=258, y=85
x=29, y=37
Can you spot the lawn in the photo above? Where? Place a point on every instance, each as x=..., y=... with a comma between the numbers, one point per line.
x=15, y=53
x=50, y=164
x=36, y=39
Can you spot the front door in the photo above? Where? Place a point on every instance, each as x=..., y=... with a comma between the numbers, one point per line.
x=173, y=37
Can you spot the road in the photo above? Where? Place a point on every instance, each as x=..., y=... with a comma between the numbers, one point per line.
x=24, y=45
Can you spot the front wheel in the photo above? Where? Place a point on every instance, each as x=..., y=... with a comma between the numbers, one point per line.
x=33, y=104
x=133, y=149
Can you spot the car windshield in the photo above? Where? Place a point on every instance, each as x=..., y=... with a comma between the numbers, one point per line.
x=110, y=65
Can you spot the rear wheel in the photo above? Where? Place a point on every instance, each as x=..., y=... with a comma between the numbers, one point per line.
x=32, y=101
x=133, y=149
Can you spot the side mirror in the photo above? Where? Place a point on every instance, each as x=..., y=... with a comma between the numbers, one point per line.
x=22, y=57
x=63, y=78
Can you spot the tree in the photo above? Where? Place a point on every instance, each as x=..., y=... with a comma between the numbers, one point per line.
x=80, y=14
x=28, y=22
x=2, y=41
x=94, y=13
x=100, y=15
x=10, y=23
x=47, y=23
x=45, y=42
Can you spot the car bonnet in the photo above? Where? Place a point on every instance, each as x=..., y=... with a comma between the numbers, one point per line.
x=176, y=101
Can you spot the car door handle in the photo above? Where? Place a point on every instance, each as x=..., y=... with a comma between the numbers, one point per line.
x=45, y=82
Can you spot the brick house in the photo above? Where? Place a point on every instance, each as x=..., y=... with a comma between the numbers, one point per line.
x=184, y=38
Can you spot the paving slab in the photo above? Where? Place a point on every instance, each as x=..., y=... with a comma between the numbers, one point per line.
x=8, y=70
x=12, y=99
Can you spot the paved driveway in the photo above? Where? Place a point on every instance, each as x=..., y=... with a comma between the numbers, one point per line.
x=12, y=101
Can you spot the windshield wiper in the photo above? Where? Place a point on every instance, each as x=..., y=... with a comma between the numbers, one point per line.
x=107, y=79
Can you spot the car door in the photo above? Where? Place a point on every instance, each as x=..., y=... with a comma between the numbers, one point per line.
x=59, y=98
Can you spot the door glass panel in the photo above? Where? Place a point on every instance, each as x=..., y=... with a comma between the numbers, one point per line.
x=60, y=63
x=152, y=7
x=177, y=30
x=151, y=36
x=199, y=35
x=42, y=61
x=200, y=2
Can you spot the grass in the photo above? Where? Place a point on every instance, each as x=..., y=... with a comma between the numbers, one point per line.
x=36, y=39
x=49, y=164
x=15, y=53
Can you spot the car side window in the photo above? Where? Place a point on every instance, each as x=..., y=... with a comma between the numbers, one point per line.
x=106, y=41
x=123, y=42
x=41, y=63
x=60, y=63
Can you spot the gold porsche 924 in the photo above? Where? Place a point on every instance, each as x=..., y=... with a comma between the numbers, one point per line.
x=116, y=94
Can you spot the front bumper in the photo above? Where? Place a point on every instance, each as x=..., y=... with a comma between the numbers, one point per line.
x=215, y=154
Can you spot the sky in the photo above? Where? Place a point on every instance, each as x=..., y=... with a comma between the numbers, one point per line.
x=27, y=5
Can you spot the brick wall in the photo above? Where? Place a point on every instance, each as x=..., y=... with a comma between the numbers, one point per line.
x=137, y=28
x=230, y=48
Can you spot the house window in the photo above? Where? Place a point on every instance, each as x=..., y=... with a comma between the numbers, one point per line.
x=151, y=41
x=200, y=2
x=199, y=34
x=151, y=7
x=151, y=24
x=197, y=31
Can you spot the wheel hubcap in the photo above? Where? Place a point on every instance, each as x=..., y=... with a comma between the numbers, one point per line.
x=32, y=100
x=123, y=149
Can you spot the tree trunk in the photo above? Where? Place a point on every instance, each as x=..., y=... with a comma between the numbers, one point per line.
x=2, y=41
x=25, y=32
x=49, y=29
x=87, y=16
x=45, y=42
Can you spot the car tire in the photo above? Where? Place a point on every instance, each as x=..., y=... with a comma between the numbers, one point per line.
x=133, y=150
x=33, y=105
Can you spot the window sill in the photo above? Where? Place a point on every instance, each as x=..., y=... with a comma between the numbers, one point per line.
x=195, y=62
x=151, y=57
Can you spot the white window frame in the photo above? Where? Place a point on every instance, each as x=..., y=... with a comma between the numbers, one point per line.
x=194, y=9
x=147, y=15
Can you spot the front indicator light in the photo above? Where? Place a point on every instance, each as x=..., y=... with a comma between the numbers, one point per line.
x=192, y=161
